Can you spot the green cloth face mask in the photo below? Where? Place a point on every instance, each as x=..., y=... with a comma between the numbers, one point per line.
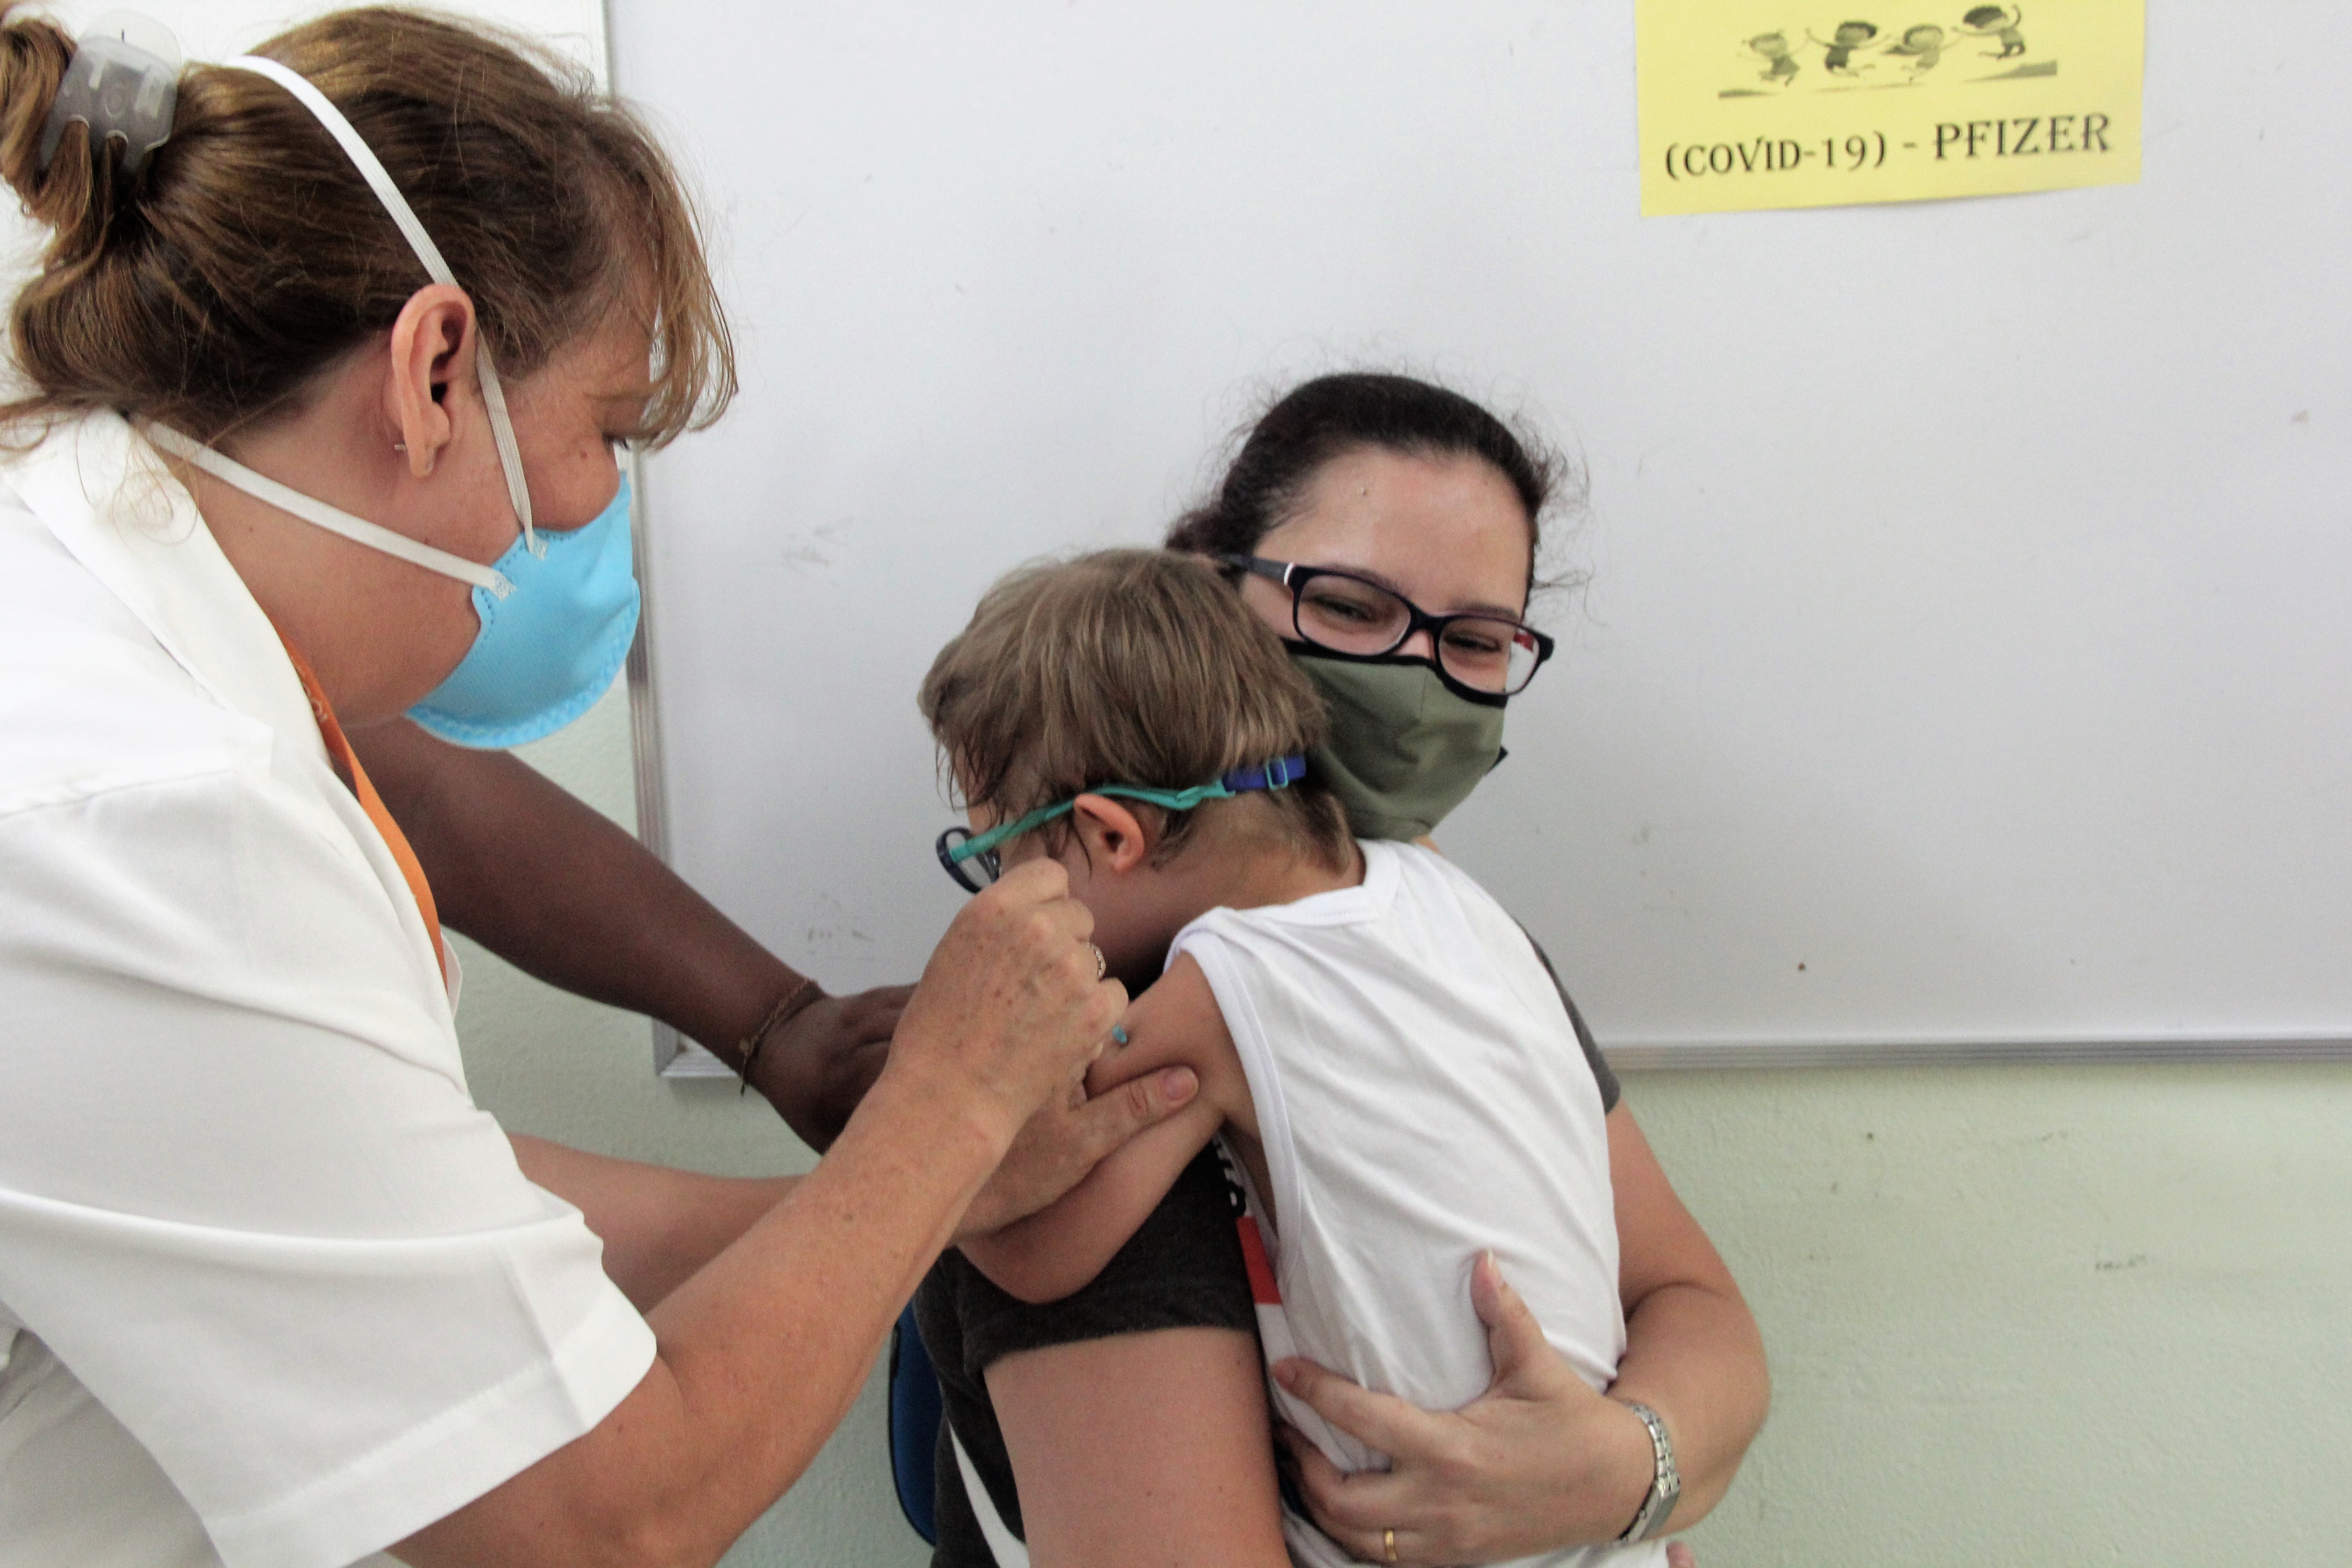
x=1406, y=746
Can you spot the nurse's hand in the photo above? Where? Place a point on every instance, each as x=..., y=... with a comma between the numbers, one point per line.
x=1011, y=1008
x=1068, y=1137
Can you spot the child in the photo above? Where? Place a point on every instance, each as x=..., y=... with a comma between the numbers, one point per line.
x=1842, y=45
x=1772, y=48
x=1998, y=22
x=1382, y=1050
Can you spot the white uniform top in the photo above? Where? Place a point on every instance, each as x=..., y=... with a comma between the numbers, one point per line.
x=273, y=1292
x=1421, y=1096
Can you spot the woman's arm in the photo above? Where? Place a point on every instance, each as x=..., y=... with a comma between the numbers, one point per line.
x=1541, y=1461
x=659, y=1225
x=761, y=1351
x=1145, y=1451
x=1692, y=1350
x=538, y=877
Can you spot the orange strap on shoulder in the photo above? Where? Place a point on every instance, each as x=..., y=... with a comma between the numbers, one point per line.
x=347, y=762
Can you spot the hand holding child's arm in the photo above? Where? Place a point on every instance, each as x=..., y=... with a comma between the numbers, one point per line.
x=1542, y=1462
x=1059, y=1249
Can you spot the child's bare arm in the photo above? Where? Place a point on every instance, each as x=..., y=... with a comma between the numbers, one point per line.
x=1059, y=1249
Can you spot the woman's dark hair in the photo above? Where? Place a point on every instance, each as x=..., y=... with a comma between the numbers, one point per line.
x=1334, y=414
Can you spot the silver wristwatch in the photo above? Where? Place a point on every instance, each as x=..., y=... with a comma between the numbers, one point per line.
x=1665, y=1484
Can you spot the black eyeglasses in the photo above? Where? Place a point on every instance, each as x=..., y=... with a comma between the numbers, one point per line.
x=1342, y=613
x=973, y=869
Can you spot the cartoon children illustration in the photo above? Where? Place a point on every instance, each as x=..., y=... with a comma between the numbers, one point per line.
x=1843, y=44
x=1773, y=47
x=1923, y=44
x=1995, y=22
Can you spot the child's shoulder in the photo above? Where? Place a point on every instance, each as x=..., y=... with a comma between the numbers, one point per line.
x=1445, y=904
x=1334, y=908
x=1422, y=872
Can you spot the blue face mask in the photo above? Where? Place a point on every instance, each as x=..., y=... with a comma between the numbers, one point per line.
x=558, y=610
x=549, y=648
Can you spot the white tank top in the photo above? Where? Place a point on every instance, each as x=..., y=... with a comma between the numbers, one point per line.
x=1421, y=1096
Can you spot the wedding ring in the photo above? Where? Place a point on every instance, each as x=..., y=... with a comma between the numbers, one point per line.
x=1388, y=1544
x=1102, y=965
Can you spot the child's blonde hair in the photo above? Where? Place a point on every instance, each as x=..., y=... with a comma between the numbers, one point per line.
x=1138, y=666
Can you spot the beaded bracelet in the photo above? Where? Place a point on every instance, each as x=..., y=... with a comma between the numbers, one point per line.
x=791, y=1004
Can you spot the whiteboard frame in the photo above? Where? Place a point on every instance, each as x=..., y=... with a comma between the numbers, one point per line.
x=1712, y=1055
x=675, y=1056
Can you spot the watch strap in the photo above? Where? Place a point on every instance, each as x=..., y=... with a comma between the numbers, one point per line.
x=1665, y=1480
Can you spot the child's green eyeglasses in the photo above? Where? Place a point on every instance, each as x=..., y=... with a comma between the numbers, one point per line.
x=971, y=858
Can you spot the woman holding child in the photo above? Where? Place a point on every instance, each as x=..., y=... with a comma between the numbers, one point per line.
x=1386, y=530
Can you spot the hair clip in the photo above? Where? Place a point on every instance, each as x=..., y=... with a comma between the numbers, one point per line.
x=125, y=80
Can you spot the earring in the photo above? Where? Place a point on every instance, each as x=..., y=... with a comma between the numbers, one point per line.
x=400, y=445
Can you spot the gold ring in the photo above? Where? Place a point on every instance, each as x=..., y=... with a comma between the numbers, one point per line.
x=1102, y=965
x=1388, y=1544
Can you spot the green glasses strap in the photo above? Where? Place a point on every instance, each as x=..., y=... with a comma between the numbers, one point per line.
x=1167, y=799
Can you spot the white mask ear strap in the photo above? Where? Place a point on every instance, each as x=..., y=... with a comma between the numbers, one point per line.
x=261, y=487
x=494, y=399
x=379, y=179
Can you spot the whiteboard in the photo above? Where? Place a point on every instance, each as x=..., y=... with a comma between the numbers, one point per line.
x=1967, y=655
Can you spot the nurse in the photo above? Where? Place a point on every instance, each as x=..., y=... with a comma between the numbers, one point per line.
x=322, y=383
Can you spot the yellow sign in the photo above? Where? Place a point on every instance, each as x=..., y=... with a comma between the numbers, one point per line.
x=1790, y=103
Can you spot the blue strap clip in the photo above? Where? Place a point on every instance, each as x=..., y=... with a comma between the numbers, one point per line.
x=1279, y=774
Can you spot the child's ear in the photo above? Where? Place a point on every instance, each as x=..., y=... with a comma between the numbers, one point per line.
x=1113, y=834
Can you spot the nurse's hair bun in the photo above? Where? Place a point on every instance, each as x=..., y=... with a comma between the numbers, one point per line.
x=73, y=195
x=210, y=289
